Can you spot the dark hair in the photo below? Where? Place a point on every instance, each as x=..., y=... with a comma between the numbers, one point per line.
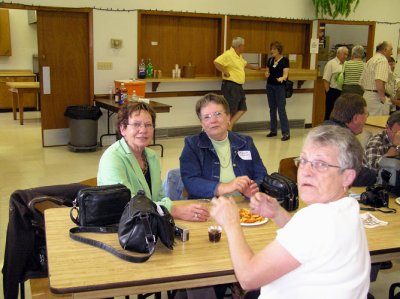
x=277, y=45
x=211, y=98
x=382, y=46
x=394, y=118
x=128, y=108
x=346, y=106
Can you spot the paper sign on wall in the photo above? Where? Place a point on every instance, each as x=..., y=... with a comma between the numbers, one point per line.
x=314, y=46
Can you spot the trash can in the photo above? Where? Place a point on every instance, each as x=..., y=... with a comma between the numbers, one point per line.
x=83, y=127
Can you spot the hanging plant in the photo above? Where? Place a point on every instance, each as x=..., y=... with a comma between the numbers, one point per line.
x=334, y=8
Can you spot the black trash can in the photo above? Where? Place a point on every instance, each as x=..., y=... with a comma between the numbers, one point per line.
x=83, y=127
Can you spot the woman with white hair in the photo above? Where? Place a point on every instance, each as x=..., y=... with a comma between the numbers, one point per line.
x=320, y=252
x=352, y=71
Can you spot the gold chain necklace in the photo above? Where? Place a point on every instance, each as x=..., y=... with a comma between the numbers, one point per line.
x=225, y=159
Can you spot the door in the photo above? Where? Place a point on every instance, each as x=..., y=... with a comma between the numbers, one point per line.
x=65, y=64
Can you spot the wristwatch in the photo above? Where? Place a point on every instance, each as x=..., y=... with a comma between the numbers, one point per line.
x=397, y=147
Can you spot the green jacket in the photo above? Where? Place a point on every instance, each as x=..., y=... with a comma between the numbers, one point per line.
x=119, y=165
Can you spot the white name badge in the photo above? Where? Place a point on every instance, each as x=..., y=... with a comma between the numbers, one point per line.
x=244, y=155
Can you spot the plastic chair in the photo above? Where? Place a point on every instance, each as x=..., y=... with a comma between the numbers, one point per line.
x=288, y=168
x=173, y=185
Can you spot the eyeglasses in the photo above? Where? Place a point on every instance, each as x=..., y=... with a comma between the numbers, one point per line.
x=207, y=117
x=318, y=165
x=139, y=125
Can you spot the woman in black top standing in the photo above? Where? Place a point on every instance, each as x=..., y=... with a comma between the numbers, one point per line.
x=277, y=73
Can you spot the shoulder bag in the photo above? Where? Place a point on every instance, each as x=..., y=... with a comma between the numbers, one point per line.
x=141, y=224
x=288, y=88
x=283, y=189
x=100, y=206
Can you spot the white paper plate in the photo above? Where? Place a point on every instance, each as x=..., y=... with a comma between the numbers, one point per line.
x=255, y=223
x=397, y=200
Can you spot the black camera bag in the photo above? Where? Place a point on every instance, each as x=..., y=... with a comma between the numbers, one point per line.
x=283, y=189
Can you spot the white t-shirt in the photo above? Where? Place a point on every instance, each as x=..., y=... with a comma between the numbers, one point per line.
x=330, y=243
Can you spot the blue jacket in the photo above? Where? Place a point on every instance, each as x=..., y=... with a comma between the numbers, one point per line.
x=200, y=166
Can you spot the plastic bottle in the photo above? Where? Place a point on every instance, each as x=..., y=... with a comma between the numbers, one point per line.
x=117, y=95
x=149, y=69
x=142, y=70
x=124, y=94
x=134, y=97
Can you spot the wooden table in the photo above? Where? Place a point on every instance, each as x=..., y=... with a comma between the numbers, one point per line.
x=82, y=271
x=113, y=107
x=18, y=90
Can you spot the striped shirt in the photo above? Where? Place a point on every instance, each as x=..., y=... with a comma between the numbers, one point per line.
x=352, y=71
x=377, y=68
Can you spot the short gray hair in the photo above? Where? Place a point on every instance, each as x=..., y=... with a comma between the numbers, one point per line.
x=341, y=49
x=358, y=51
x=350, y=151
x=237, y=41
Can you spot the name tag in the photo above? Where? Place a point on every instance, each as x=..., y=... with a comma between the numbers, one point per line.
x=244, y=155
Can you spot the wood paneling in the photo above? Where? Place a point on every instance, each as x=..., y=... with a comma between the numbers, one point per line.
x=260, y=32
x=5, y=37
x=181, y=39
x=318, y=103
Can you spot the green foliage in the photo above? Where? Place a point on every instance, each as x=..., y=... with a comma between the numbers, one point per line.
x=334, y=8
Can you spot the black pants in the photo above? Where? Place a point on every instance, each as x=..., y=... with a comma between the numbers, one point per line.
x=331, y=97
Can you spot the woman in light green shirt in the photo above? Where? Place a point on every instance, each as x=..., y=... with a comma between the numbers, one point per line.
x=129, y=162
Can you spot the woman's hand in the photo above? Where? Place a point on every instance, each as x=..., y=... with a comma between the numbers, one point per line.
x=267, y=206
x=267, y=73
x=264, y=205
x=192, y=212
x=240, y=184
x=225, y=212
x=281, y=79
x=251, y=189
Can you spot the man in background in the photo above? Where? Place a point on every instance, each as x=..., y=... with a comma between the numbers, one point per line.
x=374, y=78
x=332, y=69
x=350, y=111
x=231, y=64
x=386, y=143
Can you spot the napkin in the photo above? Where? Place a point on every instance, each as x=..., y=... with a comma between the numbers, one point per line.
x=370, y=221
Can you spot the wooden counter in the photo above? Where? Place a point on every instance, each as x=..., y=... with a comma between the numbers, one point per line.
x=299, y=75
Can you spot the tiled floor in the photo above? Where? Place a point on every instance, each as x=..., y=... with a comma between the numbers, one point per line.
x=25, y=163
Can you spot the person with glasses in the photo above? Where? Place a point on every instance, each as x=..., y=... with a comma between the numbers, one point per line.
x=319, y=252
x=130, y=162
x=217, y=161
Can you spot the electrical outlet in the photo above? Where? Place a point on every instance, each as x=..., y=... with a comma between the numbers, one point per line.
x=104, y=65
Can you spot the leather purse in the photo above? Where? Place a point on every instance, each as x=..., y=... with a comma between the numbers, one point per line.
x=283, y=189
x=100, y=206
x=142, y=223
x=288, y=89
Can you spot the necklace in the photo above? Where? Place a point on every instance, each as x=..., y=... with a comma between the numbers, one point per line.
x=225, y=159
x=225, y=155
x=145, y=164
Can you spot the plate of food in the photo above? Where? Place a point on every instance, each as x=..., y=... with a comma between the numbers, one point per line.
x=249, y=219
x=397, y=200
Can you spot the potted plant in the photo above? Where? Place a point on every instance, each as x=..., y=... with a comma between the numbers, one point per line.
x=333, y=8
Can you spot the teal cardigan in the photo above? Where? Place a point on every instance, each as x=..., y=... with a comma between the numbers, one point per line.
x=119, y=165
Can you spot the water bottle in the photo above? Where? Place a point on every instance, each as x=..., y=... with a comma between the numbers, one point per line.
x=149, y=69
x=134, y=97
x=124, y=94
x=142, y=70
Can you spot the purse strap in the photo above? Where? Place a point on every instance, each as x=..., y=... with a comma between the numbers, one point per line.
x=74, y=234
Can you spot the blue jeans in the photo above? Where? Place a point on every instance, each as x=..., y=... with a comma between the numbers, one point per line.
x=277, y=101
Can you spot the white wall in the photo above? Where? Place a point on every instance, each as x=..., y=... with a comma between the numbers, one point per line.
x=118, y=24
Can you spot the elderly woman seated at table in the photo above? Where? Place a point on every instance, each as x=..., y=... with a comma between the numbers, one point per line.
x=217, y=161
x=320, y=252
x=130, y=162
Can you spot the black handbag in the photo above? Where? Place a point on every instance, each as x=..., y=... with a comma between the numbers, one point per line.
x=100, y=206
x=140, y=226
x=288, y=89
x=283, y=189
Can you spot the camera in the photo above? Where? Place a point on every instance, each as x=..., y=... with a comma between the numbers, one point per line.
x=375, y=196
x=182, y=233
